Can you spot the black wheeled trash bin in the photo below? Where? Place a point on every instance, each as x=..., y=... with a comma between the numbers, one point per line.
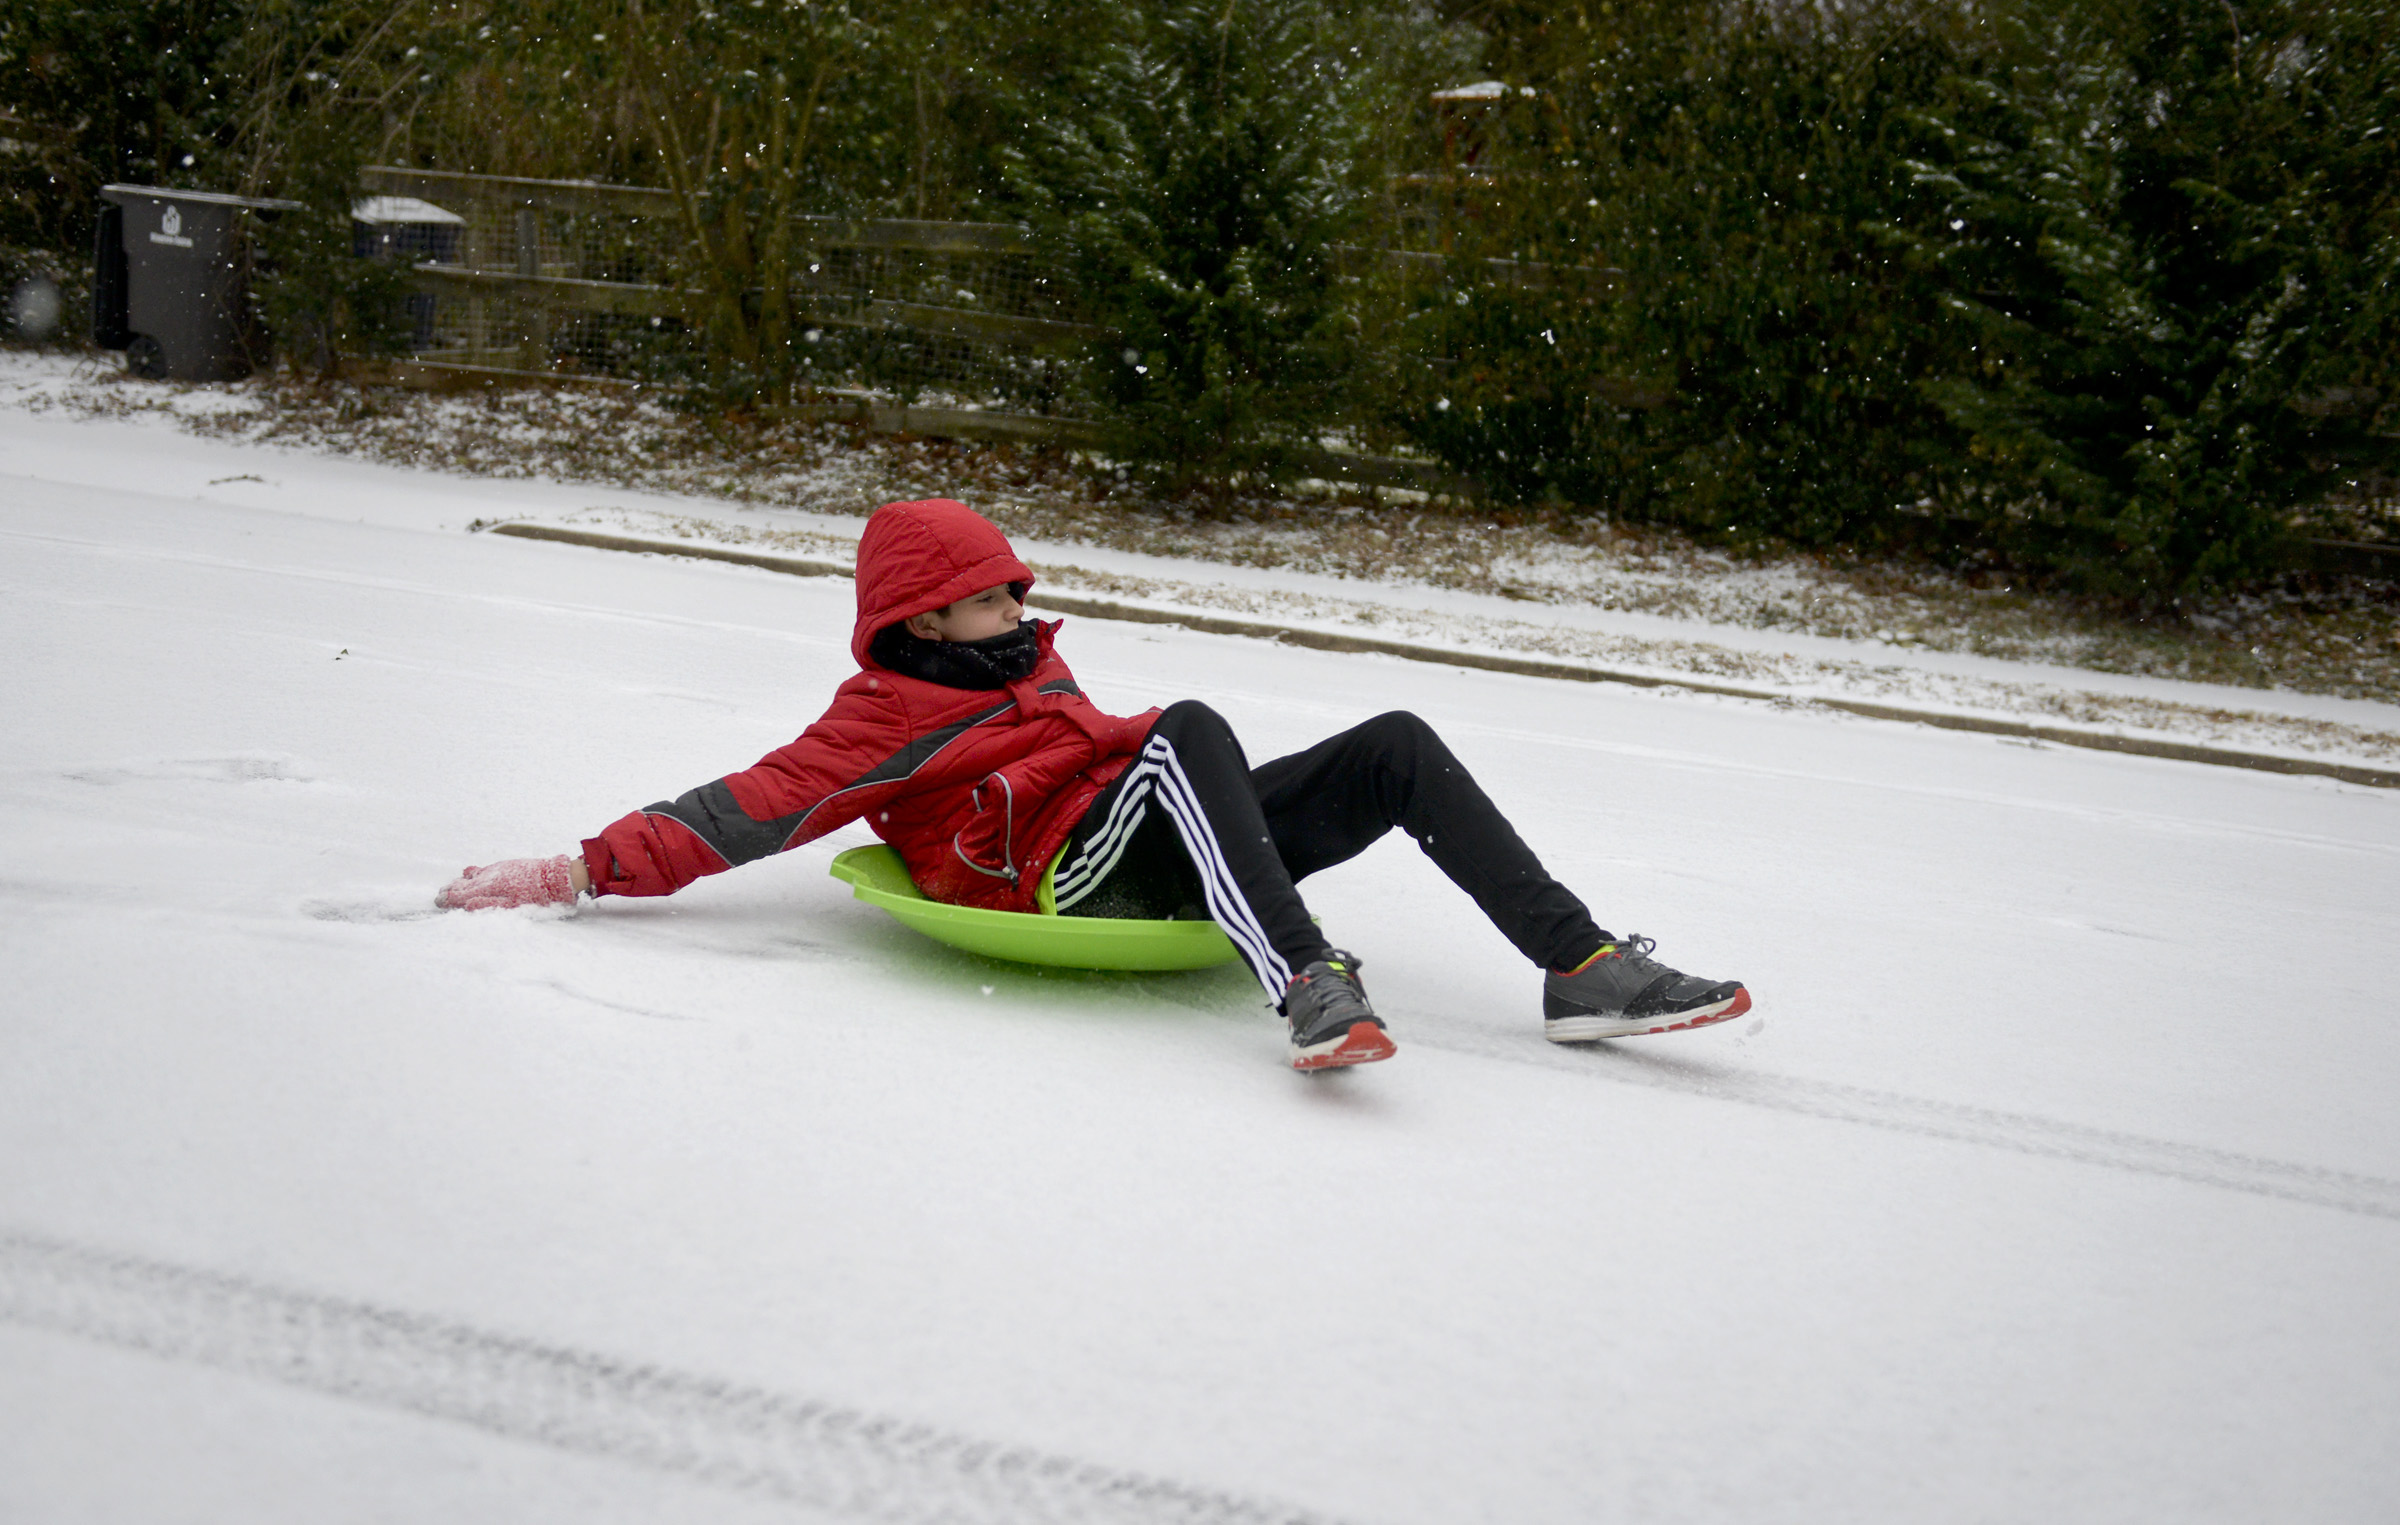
x=170, y=286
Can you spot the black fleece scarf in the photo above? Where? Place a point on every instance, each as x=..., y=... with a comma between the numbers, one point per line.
x=992, y=663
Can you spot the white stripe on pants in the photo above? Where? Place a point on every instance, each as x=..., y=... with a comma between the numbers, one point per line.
x=1159, y=772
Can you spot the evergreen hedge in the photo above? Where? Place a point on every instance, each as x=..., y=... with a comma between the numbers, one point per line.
x=2168, y=233
x=2107, y=289
x=1196, y=185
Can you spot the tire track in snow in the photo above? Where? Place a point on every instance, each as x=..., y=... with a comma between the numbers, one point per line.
x=2023, y=1133
x=821, y=1455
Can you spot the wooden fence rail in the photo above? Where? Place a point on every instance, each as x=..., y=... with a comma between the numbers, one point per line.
x=503, y=256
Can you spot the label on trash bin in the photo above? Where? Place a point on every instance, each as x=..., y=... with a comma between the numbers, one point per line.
x=170, y=230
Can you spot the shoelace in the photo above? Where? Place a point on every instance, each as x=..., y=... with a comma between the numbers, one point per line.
x=1634, y=950
x=1341, y=1001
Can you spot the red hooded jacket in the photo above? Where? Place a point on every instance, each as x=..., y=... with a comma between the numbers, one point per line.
x=977, y=788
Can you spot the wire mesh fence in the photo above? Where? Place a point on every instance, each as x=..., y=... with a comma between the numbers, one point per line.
x=962, y=329
x=572, y=278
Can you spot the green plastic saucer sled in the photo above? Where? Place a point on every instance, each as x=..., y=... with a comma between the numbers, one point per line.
x=877, y=876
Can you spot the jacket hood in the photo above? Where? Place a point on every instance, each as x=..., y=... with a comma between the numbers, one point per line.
x=918, y=557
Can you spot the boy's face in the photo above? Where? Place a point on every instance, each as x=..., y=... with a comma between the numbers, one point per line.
x=977, y=617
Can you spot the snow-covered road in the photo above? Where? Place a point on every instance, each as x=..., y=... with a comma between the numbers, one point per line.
x=2057, y=1178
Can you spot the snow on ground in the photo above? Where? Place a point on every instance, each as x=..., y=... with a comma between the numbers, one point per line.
x=2057, y=1176
x=1790, y=666
x=1522, y=593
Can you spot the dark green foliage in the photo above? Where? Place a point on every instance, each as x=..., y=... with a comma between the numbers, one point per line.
x=1753, y=368
x=319, y=300
x=2110, y=295
x=95, y=91
x=741, y=106
x=2170, y=232
x=322, y=80
x=1195, y=185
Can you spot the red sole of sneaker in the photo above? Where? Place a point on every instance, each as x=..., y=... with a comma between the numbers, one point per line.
x=1738, y=1006
x=1363, y=1044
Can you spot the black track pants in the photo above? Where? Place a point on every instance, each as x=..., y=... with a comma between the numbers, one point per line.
x=1190, y=829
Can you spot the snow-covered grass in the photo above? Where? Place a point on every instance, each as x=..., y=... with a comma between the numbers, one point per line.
x=1792, y=668
x=2057, y=1176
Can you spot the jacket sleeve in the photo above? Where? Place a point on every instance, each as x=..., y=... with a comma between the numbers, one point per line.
x=836, y=771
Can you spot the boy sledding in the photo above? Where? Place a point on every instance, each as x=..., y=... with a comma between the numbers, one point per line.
x=964, y=743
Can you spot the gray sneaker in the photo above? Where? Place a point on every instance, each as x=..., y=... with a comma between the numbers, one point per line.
x=1332, y=1024
x=1621, y=991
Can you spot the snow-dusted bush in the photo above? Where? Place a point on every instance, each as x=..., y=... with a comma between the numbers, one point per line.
x=2167, y=239
x=321, y=300
x=1195, y=183
x=2109, y=288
